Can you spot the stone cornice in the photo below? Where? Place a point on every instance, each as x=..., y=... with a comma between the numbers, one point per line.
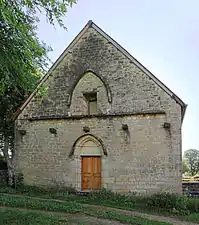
x=99, y=116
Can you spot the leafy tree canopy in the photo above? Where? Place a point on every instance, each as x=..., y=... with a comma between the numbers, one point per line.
x=191, y=159
x=185, y=168
x=23, y=58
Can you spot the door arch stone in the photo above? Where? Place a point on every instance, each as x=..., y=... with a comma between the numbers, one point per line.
x=75, y=150
x=89, y=149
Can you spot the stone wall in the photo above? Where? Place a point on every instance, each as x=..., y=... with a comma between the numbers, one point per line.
x=137, y=161
x=147, y=158
x=87, y=84
x=130, y=88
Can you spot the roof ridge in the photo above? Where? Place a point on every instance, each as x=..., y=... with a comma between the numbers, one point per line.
x=143, y=68
x=89, y=24
x=54, y=65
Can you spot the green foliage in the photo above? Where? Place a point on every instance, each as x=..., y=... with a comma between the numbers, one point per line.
x=192, y=217
x=18, y=180
x=172, y=203
x=32, y=190
x=16, y=217
x=185, y=168
x=72, y=207
x=125, y=218
x=69, y=190
x=50, y=205
x=161, y=203
x=193, y=205
x=191, y=158
x=45, y=191
x=23, y=58
x=8, y=190
x=111, y=197
x=3, y=178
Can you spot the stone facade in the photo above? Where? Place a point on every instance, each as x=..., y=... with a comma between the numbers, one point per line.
x=137, y=124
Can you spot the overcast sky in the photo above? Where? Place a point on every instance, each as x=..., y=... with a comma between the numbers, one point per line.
x=161, y=34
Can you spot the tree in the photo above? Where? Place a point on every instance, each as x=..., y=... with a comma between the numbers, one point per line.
x=3, y=164
x=191, y=157
x=23, y=58
x=22, y=54
x=185, y=168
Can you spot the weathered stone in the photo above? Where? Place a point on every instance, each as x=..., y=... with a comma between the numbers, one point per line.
x=146, y=159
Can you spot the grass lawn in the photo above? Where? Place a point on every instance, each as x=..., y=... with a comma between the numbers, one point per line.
x=69, y=207
x=14, y=217
x=74, y=204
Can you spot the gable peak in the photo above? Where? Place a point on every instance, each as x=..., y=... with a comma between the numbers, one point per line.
x=90, y=22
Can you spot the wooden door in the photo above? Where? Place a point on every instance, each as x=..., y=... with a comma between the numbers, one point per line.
x=91, y=173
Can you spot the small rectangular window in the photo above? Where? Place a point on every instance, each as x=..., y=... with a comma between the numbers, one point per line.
x=92, y=107
x=92, y=103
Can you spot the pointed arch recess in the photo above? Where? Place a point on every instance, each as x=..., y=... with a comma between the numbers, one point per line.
x=89, y=136
x=106, y=85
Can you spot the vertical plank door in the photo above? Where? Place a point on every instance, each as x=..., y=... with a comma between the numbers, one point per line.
x=91, y=173
x=96, y=179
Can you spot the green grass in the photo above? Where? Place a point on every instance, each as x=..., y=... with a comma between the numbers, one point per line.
x=48, y=205
x=193, y=217
x=106, y=198
x=14, y=217
x=74, y=208
x=114, y=200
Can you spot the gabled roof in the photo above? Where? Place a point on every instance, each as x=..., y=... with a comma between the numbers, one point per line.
x=121, y=49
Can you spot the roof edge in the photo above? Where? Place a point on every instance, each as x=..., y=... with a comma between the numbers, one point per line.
x=55, y=64
x=121, y=49
x=143, y=68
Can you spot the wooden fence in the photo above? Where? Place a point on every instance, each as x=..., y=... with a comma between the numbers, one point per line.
x=191, y=188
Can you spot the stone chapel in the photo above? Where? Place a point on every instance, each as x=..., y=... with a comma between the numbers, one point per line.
x=106, y=122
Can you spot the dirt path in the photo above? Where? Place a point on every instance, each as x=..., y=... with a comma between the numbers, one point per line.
x=174, y=221
x=67, y=218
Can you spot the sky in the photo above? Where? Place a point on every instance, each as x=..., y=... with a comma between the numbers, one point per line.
x=162, y=35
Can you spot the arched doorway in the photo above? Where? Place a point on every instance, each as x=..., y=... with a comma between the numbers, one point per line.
x=89, y=152
x=91, y=165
